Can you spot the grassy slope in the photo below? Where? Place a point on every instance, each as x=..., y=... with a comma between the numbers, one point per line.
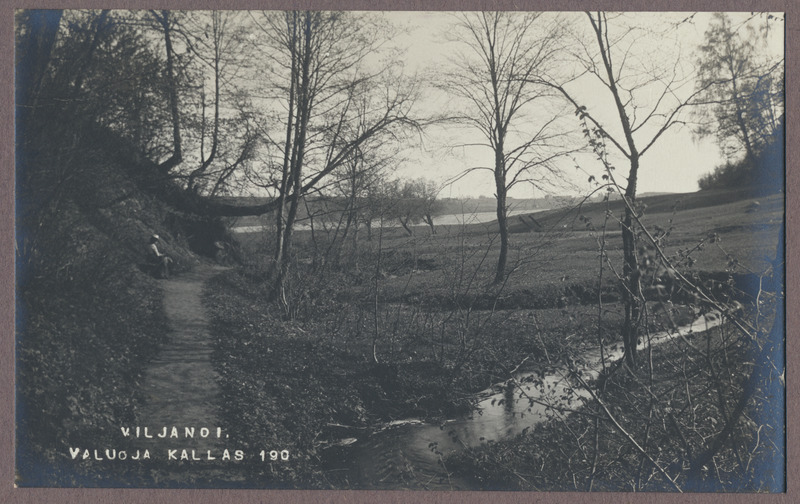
x=550, y=262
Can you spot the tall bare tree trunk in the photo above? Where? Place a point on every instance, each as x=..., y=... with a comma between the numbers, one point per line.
x=177, y=155
x=502, y=220
x=280, y=228
x=302, y=57
x=632, y=293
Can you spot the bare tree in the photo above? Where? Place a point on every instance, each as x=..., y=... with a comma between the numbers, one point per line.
x=354, y=184
x=407, y=202
x=356, y=178
x=217, y=42
x=165, y=20
x=329, y=101
x=648, y=92
x=431, y=205
x=505, y=54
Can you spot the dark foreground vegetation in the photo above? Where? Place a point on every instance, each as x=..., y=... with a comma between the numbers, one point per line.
x=411, y=327
x=89, y=314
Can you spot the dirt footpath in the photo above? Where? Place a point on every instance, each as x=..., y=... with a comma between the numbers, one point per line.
x=181, y=394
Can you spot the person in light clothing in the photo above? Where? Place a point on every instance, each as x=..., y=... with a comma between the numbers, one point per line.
x=159, y=260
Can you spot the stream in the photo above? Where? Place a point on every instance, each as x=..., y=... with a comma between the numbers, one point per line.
x=410, y=454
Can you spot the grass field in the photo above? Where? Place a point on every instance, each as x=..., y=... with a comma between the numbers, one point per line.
x=566, y=251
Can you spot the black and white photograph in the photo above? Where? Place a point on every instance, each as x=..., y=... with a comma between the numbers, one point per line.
x=440, y=251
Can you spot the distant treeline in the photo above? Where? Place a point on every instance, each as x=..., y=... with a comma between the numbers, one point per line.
x=763, y=172
x=448, y=206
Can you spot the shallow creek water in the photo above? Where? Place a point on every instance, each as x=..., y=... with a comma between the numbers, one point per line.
x=410, y=454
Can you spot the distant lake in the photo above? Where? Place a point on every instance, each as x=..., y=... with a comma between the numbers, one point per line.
x=441, y=220
x=474, y=218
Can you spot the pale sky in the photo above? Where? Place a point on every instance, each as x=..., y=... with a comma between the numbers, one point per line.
x=674, y=164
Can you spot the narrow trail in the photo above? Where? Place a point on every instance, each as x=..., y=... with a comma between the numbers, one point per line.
x=180, y=389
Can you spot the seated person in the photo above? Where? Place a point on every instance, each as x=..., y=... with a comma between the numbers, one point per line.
x=160, y=260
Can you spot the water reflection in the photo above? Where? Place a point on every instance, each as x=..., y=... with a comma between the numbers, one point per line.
x=411, y=454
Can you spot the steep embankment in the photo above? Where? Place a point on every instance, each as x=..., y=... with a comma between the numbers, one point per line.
x=89, y=315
